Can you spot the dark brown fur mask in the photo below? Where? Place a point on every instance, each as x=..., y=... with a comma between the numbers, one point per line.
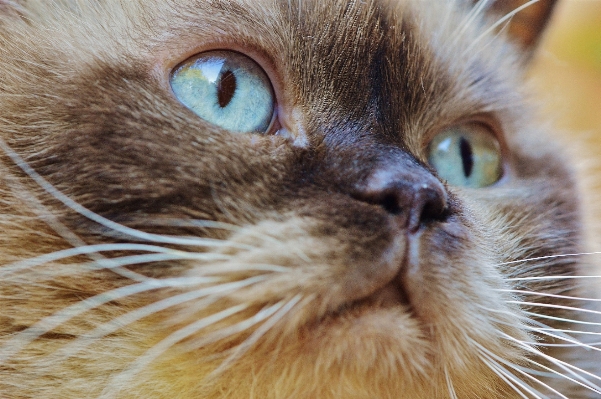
x=150, y=250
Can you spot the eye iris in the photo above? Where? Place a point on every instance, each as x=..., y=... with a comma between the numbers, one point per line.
x=226, y=88
x=467, y=156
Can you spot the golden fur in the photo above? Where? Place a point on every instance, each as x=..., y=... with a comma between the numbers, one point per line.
x=260, y=266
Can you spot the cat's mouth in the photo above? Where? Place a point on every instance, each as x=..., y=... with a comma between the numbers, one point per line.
x=388, y=300
x=413, y=281
x=392, y=293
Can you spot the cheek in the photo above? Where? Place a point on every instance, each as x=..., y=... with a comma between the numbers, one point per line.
x=339, y=324
x=454, y=287
x=315, y=258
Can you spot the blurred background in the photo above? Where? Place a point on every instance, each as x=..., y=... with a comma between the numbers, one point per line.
x=567, y=69
x=566, y=73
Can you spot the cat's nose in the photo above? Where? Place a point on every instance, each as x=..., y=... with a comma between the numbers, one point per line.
x=408, y=190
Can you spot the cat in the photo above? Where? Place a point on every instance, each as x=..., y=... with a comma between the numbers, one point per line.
x=286, y=199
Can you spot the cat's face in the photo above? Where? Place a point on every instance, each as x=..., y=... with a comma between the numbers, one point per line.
x=315, y=199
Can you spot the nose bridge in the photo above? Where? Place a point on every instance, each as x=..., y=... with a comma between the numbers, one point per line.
x=388, y=176
x=395, y=167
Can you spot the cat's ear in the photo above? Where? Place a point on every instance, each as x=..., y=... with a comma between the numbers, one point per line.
x=527, y=19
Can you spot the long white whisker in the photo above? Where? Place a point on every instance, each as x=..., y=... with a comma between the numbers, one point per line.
x=542, y=325
x=469, y=18
x=88, y=249
x=235, y=267
x=153, y=258
x=558, y=374
x=256, y=335
x=554, y=306
x=211, y=224
x=194, y=223
x=63, y=231
x=497, y=358
x=157, y=350
x=557, y=362
x=450, y=386
x=545, y=329
x=501, y=21
x=18, y=342
x=223, y=226
x=235, y=328
x=50, y=189
x=572, y=321
x=502, y=373
x=544, y=294
x=563, y=365
x=536, y=380
x=543, y=278
x=569, y=331
x=230, y=227
x=562, y=337
x=120, y=262
x=527, y=325
x=548, y=257
x=124, y=320
x=547, y=345
x=481, y=48
x=203, y=224
x=540, y=373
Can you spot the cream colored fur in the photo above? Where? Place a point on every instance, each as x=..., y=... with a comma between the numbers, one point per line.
x=272, y=297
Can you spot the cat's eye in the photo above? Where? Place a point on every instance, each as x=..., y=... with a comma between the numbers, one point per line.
x=467, y=155
x=226, y=89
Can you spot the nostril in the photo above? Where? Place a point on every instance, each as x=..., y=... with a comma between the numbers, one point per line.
x=390, y=202
x=416, y=196
x=429, y=204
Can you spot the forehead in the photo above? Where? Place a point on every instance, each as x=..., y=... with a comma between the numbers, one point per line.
x=351, y=59
x=387, y=65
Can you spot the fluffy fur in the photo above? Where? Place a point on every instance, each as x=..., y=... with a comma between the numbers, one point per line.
x=197, y=263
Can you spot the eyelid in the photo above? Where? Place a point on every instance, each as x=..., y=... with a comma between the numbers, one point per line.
x=490, y=123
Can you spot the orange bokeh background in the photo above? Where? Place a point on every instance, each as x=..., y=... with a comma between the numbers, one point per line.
x=567, y=70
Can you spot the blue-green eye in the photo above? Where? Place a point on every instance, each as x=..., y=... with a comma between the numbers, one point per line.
x=466, y=155
x=226, y=89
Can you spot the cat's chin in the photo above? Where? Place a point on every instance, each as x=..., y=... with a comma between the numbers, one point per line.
x=417, y=327
x=373, y=348
x=378, y=332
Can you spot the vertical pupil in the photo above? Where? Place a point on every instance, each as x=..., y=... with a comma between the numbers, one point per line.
x=467, y=156
x=226, y=88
